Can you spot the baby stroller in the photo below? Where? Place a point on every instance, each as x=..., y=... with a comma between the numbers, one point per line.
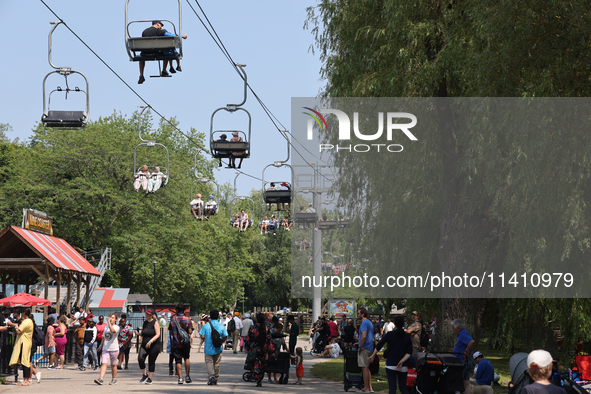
x=441, y=372
x=519, y=375
x=228, y=343
x=351, y=368
x=280, y=364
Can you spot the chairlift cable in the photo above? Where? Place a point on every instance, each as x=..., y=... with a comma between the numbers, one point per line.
x=117, y=75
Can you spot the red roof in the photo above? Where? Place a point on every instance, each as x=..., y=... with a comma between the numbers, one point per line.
x=108, y=298
x=56, y=250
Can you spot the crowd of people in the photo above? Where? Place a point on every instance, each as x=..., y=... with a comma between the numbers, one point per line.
x=100, y=344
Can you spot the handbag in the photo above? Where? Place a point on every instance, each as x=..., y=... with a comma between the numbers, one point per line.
x=184, y=339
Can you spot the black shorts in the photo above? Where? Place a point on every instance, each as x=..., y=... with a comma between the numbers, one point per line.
x=181, y=353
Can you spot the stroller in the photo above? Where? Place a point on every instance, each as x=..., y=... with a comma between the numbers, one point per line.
x=441, y=372
x=280, y=364
x=519, y=375
x=228, y=343
x=351, y=368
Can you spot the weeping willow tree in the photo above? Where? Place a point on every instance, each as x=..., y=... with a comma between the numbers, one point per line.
x=477, y=196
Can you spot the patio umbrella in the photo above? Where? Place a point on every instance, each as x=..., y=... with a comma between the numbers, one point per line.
x=24, y=299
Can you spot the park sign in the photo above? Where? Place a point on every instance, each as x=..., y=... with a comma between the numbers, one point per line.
x=342, y=308
x=37, y=221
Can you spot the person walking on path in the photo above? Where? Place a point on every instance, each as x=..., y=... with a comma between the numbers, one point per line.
x=399, y=350
x=90, y=335
x=246, y=324
x=79, y=336
x=125, y=336
x=150, y=347
x=60, y=342
x=49, y=343
x=21, y=353
x=365, y=348
x=213, y=354
x=100, y=328
x=236, y=333
x=294, y=331
x=110, y=350
x=258, y=346
x=462, y=350
x=179, y=351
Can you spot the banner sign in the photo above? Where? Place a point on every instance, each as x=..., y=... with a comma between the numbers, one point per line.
x=37, y=221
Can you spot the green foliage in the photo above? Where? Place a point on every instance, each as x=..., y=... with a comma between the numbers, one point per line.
x=498, y=194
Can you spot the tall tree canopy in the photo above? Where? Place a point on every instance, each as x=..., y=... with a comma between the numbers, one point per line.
x=490, y=194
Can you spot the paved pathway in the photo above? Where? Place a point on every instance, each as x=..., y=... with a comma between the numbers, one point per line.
x=71, y=380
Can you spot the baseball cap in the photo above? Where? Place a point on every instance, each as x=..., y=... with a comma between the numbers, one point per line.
x=415, y=313
x=154, y=22
x=539, y=357
x=150, y=311
x=477, y=354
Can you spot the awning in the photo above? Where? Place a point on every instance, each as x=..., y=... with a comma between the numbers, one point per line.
x=54, y=249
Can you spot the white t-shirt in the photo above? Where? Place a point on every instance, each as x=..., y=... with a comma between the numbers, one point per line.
x=111, y=342
x=388, y=327
x=197, y=202
x=210, y=204
x=77, y=316
x=336, y=350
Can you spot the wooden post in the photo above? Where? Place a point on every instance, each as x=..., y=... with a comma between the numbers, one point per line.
x=78, y=283
x=58, y=291
x=69, y=293
x=87, y=284
x=46, y=280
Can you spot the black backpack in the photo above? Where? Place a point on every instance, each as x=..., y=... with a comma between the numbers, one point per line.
x=38, y=337
x=231, y=326
x=216, y=338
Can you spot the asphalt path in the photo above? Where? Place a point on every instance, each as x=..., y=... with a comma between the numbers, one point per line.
x=71, y=380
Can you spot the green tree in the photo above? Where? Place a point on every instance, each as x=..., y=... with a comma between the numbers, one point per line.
x=495, y=194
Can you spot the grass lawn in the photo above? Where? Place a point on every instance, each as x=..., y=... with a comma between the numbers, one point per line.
x=333, y=370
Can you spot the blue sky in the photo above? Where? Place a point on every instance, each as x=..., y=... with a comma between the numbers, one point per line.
x=267, y=36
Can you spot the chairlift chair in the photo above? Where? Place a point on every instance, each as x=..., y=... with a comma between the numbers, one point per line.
x=153, y=48
x=241, y=198
x=60, y=118
x=225, y=148
x=150, y=144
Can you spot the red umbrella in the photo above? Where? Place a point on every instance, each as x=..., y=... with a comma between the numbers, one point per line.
x=24, y=299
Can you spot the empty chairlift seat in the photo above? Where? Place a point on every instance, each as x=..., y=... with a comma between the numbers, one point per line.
x=64, y=118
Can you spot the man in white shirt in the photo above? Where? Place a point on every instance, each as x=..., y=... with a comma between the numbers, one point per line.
x=162, y=321
x=246, y=324
x=236, y=333
x=389, y=326
x=78, y=316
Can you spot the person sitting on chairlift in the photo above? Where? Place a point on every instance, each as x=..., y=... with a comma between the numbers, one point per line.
x=284, y=186
x=155, y=180
x=154, y=31
x=236, y=138
x=265, y=225
x=273, y=224
x=141, y=179
x=243, y=220
x=197, y=207
x=236, y=222
x=223, y=138
x=210, y=207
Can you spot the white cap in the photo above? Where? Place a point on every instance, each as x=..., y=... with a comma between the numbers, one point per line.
x=477, y=354
x=540, y=357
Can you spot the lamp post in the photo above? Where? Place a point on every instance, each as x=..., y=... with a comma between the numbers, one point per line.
x=154, y=302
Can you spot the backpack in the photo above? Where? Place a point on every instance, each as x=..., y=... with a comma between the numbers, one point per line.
x=183, y=339
x=216, y=338
x=38, y=337
x=231, y=326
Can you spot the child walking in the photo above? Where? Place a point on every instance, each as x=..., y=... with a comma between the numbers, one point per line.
x=110, y=345
x=299, y=362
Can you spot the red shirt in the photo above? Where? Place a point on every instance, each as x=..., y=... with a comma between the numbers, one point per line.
x=99, y=331
x=334, y=329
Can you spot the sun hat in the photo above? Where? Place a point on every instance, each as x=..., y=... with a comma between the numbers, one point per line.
x=540, y=358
